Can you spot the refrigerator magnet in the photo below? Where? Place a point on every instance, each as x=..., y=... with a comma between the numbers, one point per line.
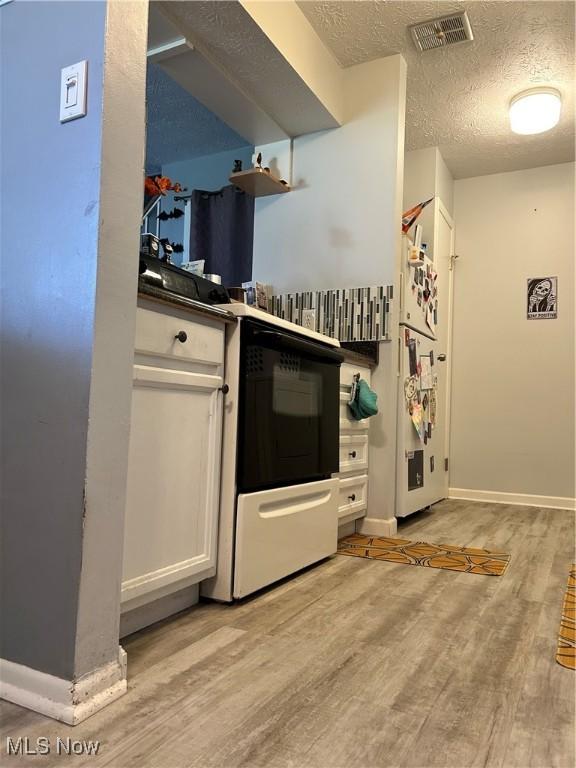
x=412, y=357
x=410, y=388
x=432, y=413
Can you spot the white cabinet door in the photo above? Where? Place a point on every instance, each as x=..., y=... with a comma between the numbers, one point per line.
x=173, y=477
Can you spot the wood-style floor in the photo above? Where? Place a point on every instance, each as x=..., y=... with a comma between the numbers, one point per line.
x=357, y=663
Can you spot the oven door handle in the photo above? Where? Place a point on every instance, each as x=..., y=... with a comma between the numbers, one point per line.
x=283, y=341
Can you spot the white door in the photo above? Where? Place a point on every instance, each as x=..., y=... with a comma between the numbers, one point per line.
x=443, y=252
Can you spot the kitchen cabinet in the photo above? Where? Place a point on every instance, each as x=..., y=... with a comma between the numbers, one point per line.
x=175, y=453
x=353, y=475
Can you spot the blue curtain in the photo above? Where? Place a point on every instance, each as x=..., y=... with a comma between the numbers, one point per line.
x=222, y=233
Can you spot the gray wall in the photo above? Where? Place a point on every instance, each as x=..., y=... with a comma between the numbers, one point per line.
x=56, y=293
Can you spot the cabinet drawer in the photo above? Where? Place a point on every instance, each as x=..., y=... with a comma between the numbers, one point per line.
x=280, y=531
x=347, y=422
x=347, y=371
x=353, y=452
x=156, y=332
x=353, y=494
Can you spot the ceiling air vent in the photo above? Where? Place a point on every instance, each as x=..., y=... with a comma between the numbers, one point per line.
x=438, y=33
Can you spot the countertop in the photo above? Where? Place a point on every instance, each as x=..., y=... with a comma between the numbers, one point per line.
x=162, y=296
x=239, y=309
x=367, y=357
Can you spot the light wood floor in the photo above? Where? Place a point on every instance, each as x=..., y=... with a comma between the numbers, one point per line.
x=357, y=663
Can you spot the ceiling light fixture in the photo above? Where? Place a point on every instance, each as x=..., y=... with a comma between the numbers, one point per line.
x=535, y=111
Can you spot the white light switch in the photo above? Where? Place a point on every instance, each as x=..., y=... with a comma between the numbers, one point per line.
x=73, y=91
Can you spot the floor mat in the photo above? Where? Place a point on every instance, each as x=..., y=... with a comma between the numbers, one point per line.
x=446, y=556
x=566, y=653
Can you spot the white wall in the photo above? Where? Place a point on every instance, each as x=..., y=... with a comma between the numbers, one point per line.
x=338, y=228
x=426, y=175
x=513, y=379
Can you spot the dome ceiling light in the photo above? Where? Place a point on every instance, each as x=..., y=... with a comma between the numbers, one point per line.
x=535, y=111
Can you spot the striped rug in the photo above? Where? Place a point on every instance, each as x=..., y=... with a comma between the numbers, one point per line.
x=445, y=556
x=566, y=653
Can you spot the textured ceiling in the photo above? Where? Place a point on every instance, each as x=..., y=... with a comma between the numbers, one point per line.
x=224, y=33
x=178, y=126
x=457, y=98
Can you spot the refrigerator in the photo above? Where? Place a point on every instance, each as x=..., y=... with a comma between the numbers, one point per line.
x=420, y=438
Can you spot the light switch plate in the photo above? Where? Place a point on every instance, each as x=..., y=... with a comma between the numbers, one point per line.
x=73, y=91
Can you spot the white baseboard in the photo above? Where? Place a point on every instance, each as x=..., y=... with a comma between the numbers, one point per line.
x=374, y=526
x=70, y=701
x=524, y=499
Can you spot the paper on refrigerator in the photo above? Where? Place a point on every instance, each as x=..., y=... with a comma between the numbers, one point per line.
x=426, y=376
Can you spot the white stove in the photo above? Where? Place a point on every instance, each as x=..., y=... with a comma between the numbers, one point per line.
x=278, y=501
x=240, y=309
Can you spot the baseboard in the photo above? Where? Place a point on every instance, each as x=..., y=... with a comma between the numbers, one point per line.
x=70, y=701
x=157, y=610
x=523, y=499
x=374, y=526
x=346, y=529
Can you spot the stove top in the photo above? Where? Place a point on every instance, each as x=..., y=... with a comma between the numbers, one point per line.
x=178, y=282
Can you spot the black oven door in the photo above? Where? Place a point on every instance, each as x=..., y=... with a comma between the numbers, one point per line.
x=289, y=408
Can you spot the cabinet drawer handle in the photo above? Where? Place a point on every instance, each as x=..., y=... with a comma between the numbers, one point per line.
x=352, y=454
x=181, y=336
x=224, y=389
x=352, y=497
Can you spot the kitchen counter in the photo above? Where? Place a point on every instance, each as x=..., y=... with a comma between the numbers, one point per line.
x=239, y=309
x=355, y=353
x=162, y=296
x=360, y=353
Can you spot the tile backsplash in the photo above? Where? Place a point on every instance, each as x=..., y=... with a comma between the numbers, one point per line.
x=349, y=314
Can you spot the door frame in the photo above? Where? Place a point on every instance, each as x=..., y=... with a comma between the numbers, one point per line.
x=441, y=210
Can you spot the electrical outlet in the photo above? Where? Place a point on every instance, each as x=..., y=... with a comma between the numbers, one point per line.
x=309, y=319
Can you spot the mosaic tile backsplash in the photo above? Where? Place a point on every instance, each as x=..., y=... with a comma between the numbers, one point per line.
x=350, y=314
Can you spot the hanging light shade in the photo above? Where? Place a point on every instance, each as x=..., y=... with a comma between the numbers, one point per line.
x=535, y=111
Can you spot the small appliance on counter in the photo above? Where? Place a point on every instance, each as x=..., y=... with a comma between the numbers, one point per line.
x=177, y=282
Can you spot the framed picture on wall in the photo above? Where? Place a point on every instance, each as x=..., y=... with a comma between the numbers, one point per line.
x=542, y=298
